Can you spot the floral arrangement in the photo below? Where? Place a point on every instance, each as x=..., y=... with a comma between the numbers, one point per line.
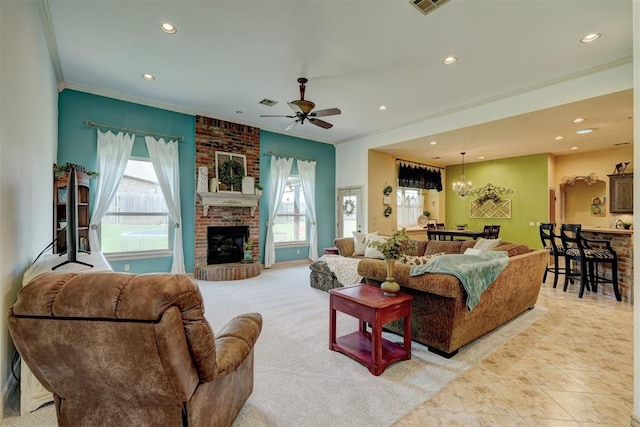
x=394, y=247
x=248, y=245
x=490, y=193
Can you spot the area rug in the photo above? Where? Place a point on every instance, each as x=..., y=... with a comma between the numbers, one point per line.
x=299, y=381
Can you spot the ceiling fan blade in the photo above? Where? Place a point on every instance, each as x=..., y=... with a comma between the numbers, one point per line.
x=327, y=112
x=321, y=123
x=281, y=115
x=291, y=125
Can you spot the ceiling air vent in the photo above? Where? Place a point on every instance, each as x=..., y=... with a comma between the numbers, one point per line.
x=268, y=102
x=427, y=6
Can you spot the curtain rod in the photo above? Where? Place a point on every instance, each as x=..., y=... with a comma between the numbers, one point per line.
x=162, y=135
x=421, y=164
x=293, y=156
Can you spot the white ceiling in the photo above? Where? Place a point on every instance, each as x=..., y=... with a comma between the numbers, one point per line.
x=357, y=55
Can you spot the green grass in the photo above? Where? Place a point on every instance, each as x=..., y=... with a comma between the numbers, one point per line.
x=114, y=238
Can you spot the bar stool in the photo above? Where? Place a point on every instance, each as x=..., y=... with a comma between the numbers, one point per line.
x=549, y=242
x=580, y=249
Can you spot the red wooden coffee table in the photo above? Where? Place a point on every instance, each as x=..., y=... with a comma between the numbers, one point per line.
x=368, y=304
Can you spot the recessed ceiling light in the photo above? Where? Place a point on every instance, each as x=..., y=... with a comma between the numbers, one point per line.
x=382, y=108
x=481, y=158
x=573, y=148
x=584, y=131
x=558, y=138
x=433, y=143
x=148, y=77
x=168, y=28
x=590, y=37
x=449, y=60
x=578, y=120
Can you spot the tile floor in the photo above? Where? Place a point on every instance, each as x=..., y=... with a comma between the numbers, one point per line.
x=573, y=367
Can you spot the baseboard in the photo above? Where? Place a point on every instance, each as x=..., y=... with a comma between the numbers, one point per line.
x=635, y=421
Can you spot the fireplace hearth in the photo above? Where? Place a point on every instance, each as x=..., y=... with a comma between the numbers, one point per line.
x=224, y=243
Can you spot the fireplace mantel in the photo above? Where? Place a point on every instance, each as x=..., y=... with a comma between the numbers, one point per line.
x=230, y=199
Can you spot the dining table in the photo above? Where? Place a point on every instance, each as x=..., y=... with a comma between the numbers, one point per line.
x=450, y=234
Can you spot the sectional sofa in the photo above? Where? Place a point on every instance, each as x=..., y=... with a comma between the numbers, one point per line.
x=440, y=318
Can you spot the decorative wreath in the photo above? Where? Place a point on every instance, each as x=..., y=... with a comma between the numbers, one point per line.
x=387, y=190
x=232, y=173
x=349, y=207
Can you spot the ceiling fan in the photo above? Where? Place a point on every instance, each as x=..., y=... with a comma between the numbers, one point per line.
x=303, y=111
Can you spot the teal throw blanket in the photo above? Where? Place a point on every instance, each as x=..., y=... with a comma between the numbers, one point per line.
x=476, y=272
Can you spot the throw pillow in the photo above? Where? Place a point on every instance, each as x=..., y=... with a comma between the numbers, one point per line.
x=472, y=251
x=360, y=241
x=371, y=252
x=418, y=260
x=486, y=244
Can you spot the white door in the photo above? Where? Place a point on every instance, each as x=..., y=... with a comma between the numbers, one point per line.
x=350, y=212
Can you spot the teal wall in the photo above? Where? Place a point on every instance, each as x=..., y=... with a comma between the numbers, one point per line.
x=325, y=155
x=77, y=144
x=526, y=176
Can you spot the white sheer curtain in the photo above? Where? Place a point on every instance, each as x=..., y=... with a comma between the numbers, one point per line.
x=113, y=155
x=165, y=160
x=410, y=206
x=278, y=175
x=307, y=171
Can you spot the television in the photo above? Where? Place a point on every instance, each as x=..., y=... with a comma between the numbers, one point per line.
x=72, y=221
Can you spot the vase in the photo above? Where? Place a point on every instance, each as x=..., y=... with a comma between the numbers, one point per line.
x=390, y=286
x=248, y=255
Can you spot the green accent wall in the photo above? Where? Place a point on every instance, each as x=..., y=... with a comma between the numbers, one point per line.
x=325, y=155
x=526, y=176
x=77, y=143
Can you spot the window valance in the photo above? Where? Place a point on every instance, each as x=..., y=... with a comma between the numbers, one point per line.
x=417, y=176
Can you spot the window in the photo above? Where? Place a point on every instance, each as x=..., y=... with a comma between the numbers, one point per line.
x=290, y=225
x=410, y=202
x=137, y=219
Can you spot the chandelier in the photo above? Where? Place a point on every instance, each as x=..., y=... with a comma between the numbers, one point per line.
x=462, y=187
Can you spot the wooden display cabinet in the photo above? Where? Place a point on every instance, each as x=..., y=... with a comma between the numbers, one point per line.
x=60, y=212
x=621, y=193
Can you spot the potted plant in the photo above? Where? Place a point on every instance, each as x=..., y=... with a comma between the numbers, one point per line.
x=247, y=247
x=60, y=169
x=258, y=190
x=62, y=222
x=392, y=248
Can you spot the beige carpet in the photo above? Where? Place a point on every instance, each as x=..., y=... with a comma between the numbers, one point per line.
x=298, y=381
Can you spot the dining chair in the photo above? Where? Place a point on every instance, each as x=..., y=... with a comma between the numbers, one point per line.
x=556, y=250
x=495, y=231
x=486, y=231
x=440, y=226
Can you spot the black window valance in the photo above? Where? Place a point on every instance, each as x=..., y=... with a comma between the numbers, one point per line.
x=419, y=177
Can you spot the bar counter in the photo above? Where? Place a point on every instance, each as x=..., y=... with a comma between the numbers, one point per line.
x=622, y=243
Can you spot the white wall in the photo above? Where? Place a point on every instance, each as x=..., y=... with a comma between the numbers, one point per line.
x=28, y=145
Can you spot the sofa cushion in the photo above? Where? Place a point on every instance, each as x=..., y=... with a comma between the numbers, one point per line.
x=448, y=247
x=485, y=245
x=513, y=249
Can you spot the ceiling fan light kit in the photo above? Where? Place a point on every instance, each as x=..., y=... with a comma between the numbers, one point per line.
x=303, y=110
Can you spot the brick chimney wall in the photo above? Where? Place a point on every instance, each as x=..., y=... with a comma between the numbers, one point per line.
x=217, y=135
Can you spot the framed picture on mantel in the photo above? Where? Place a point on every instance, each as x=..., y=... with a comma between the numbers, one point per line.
x=230, y=170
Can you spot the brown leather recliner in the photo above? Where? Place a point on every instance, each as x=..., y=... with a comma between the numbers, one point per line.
x=136, y=350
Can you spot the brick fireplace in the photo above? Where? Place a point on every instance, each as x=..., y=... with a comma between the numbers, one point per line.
x=217, y=135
